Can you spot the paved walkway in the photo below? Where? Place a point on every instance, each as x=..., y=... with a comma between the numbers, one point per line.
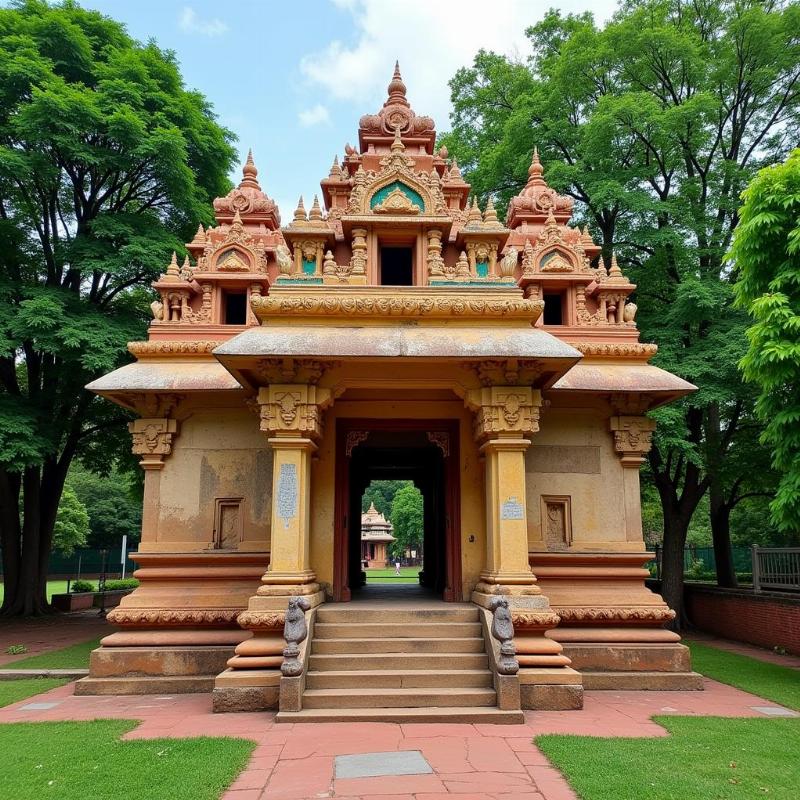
x=42, y=634
x=472, y=762
x=742, y=649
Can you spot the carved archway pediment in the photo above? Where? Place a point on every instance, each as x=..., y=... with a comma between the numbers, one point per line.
x=558, y=259
x=233, y=259
x=397, y=193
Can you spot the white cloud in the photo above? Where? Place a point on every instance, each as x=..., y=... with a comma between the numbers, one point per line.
x=431, y=41
x=317, y=115
x=191, y=23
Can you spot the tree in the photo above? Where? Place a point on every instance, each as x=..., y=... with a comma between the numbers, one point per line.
x=766, y=257
x=407, y=519
x=654, y=125
x=72, y=524
x=107, y=164
x=114, y=505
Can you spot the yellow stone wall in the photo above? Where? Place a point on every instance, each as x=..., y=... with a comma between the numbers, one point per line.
x=218, y=453
x=572, y=456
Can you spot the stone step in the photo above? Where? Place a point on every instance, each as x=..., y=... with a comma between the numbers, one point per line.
x=410, y=630
x=639, y=681
x=436, y=697
x=348, y=613
x=138, y=684
x=397, y=661
x=398, y=679
x=357, y=647
x=484, y=715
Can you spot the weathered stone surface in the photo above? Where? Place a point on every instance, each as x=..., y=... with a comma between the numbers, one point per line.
x=253, y=698
x=550, y=697
x=629, y=657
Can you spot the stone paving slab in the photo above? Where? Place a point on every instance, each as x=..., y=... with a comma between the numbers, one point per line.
x=469, y=762
x=372, y=765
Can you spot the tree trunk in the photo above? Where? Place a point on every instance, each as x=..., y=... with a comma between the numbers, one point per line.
x=720, y=518
x=27, y=546
x=676, y=528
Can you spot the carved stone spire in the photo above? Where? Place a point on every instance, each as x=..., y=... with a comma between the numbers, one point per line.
x=535, y=171
x=474, y=217
x=396, y=88
x=397, y=144
x=336, y=170
x=173, y=270
x=300, y=211
x=200, y=236
x=490, y=215
x=316, y=212
x=186, y=268
x=249, y=173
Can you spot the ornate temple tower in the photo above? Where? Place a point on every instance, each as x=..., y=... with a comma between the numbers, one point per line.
x=392, y=329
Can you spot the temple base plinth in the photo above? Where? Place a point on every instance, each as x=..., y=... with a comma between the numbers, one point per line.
x=246, y=690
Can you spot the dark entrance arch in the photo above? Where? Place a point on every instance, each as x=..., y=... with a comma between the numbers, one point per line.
x=424, y=451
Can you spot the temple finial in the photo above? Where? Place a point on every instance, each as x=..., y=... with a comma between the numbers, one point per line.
x=172, y=270
x=490, y=214
x=474, y=215
x=249, y=172
x=316, y=212
x=535, y=170
x=200, y=236
x=397, y=144
x=396, y=88
x=300, y=211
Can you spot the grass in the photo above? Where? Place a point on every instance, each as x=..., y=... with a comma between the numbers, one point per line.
x=407, y=575
x=771, y=681
x=53, y=587
x=75, y=656
x=704, y=757
x=13, y=691
x=68, y=760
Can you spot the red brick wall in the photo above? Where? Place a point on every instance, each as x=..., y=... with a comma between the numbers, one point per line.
x=767, y=620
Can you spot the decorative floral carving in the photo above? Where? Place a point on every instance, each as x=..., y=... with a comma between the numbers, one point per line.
x=162, y=617
x=321, y=305
x=615, y=614
x=353, y=440
x=620, y=350
x=261, y=620
x=293, y=408
x=152, y=438
x=504, y=411
x=396, y=202
x=632, y=438
x=544, y=620
x=199, y=347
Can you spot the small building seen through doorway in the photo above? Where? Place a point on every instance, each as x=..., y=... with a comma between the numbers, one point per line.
x=387, y=558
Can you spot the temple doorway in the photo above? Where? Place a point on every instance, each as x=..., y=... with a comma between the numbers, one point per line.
x=423, y=455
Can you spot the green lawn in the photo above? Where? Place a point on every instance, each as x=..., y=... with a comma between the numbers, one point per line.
x=407, y=575
x=771, y=681
x=12, y=691
x=704, y=758
x=53, y=587
x=74, y=760
x=74, y=656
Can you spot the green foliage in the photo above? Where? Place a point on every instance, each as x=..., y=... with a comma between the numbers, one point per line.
x=72, y=524
x=382, y=494
x=107, y=164
x=14, y=691
x=75, y=656
x=82, y=586
x=654, y=124
x=407, y=519
x=113, y=502
x=121, y=583
x=766, y=257
x=16, y=649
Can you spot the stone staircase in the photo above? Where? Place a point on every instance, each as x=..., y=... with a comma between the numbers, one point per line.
x=395, y=663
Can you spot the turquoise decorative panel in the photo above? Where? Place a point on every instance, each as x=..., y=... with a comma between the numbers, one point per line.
x=383, y=193
x=482, y=269
x=309, y=266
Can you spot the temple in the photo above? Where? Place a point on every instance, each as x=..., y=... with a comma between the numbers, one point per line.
x=392, y=329
x=376, y=536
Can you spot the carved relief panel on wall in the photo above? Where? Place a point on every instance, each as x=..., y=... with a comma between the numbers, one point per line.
x=228, y=522
x=556, y=521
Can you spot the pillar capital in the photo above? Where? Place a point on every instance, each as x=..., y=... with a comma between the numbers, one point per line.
x=504, y=411
x=293, y=409
x=152, y=439
x=633, y=437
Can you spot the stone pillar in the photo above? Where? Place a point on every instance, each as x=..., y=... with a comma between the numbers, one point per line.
x=291, y=415
x=152, y=440
x=505, y=416
x=632, y=441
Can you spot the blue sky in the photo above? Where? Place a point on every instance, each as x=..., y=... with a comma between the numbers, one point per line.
x=291, y=79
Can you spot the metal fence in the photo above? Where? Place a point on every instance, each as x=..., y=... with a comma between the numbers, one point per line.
x=89, y=564
x=776, y=568
x=702, y=560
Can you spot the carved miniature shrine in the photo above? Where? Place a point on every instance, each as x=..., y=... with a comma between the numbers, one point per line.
x=392, y=328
